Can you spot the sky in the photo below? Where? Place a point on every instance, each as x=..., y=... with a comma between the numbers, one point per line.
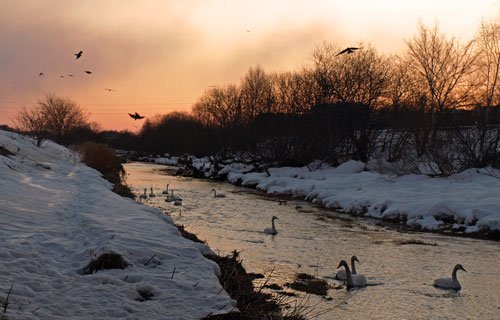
x=159, y=56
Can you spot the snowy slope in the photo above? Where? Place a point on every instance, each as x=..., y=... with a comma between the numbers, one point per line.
x=56, y=214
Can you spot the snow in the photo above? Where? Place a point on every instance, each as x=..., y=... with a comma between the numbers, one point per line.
x=468, y=200
x=56, y=214
x=167, y=161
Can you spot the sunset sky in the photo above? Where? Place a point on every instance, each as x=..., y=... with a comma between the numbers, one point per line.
x=160, y=55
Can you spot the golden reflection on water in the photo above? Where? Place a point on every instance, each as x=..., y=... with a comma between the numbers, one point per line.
x=399, y=266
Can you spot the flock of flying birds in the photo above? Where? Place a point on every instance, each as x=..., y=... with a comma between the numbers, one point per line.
x=78, y=55
x=137, y=116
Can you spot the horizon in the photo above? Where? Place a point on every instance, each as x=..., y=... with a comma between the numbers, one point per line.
x=160, y=58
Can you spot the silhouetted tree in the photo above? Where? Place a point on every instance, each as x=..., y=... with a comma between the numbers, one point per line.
x=489, y=62
x=52, y=118
x=256, y=94
x=443, y=65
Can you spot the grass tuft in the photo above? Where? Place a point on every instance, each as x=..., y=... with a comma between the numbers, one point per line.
x=187, y=234
x=106, y=261
x=309, y=284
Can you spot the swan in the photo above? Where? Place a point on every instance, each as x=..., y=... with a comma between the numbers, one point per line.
x=152, y=195
x=352, y=280
x=171, y=197
x=341, y=274
x=166, y=190
x=272, y=230
x=450, y=283
x=144, y=195
x=177, y=203
x=218, y=195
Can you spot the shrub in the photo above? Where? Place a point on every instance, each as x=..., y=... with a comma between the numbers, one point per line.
x=104, y=159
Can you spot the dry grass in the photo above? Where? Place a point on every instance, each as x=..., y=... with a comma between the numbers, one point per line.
x=109, y=260
x=188, y=235
x=104, y=159
x=253, y=303
x=309, y=284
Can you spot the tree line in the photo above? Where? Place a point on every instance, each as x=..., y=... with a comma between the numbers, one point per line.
x=436, y=103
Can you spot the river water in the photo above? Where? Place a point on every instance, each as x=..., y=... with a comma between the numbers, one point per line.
x=400, y=275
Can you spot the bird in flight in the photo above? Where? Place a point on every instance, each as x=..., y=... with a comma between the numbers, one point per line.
x=88, y=72
x=61, y=76
x=41, y=74
x=79, y=54
x=110, y=90
x=348, y=50
x=71, y=75
x=136, y=116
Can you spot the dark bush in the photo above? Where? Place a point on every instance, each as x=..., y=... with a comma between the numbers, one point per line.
x=104, y=159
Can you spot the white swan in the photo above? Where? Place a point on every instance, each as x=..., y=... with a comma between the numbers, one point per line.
x=341, y=274
x=218, y=195
x=144, y=195
x=272, y=230
x=166, y=190
x=352, y=280
x=152, y=195
x=450, y=283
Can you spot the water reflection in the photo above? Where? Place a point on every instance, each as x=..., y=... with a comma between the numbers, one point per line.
x=399, y=266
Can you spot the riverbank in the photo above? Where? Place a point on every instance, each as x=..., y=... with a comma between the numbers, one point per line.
x=400, y=266
x=75, y=249
x=463, y=204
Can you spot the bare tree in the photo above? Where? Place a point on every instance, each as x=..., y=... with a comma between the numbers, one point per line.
x=489, y=62
x=361, y=77
x=443, y=65
x=294, y=92
x=256, y=93
x=220, y=107
x=53, y=117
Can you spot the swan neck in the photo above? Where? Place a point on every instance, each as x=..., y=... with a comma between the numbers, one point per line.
x=454, y=274
x=353, y=266
x=348, y=276
x=273, y=226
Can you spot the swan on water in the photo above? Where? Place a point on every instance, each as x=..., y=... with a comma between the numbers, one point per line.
x=352, y=280
x=144, y=195
x=450, y=283
x=272, y=230
x=218, y=195
x=171, y=197
x=166, y=190
x=152, y=195
x=341, y=275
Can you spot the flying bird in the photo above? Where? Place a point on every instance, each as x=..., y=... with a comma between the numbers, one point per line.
x=41, y=74
x=79, y=54
x=61, y=76
x=348, y=50
x=88, y=72
x=71, y=75
x=110, y=90
x=136, y=116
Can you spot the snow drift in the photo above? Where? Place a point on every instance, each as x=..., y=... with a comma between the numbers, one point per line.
x=57, y=214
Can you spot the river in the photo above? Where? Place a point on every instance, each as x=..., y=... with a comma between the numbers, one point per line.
x=400, y=274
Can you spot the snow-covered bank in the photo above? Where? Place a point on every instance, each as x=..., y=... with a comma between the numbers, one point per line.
x=468, y=202
x=56, y=214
